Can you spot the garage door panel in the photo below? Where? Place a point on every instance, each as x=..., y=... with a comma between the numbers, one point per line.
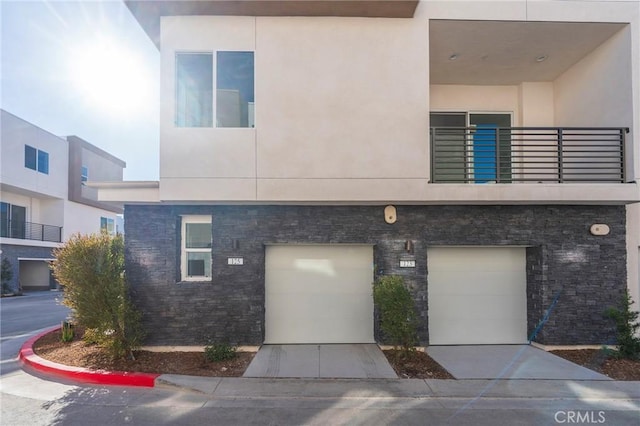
x=494, y=287
x=476, y=305
x=486, y=333
x=477, y=295
x=325, y=290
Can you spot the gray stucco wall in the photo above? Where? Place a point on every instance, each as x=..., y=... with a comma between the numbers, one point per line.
x=569, y=271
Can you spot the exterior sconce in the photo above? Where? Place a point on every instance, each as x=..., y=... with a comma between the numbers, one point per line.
x=599, y=229
x=408, y=246
x=235, y=244
x=390, y=214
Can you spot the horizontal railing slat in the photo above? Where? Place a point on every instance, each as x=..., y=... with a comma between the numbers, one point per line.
x=528, y=154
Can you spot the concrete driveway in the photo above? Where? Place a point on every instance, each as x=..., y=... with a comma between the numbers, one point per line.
x=508, y=362
x=462, y=361
x=364, y=361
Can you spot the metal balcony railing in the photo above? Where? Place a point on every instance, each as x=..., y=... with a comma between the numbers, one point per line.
x=490, y=154
x=30, y=231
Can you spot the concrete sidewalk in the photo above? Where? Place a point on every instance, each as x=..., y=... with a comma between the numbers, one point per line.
x=511, y=393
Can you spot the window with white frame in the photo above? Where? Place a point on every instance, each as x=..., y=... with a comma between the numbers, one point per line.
x=84, y=174
x=107, y=224
x=194, y=90
x=36, y=159
x=234, y=89
x=196, y=248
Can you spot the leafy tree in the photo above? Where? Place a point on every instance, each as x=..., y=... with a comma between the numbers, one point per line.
x=398, y=319
x=91, y=267
x=6, y=273
x=627, y=326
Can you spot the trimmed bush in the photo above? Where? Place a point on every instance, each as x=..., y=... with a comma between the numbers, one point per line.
x=398, y=319
x=219, y=352
x=91, y=267
x=6, y=275
x=627, y=326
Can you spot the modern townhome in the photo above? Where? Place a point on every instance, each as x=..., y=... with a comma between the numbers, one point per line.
x=485, y=151
x=44, y=199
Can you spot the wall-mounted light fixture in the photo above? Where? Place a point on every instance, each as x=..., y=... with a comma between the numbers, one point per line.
x=599, y=229
x=235, y=243
x=390, y=214
x=408, y=246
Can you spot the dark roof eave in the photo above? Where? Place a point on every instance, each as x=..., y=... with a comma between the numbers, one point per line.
x=148, y=13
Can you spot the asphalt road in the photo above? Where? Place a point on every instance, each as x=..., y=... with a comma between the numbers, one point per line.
x=22, y=317
x=29, y=399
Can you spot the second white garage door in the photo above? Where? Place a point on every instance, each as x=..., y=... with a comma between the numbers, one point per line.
x=477, y=295
x=319, y=294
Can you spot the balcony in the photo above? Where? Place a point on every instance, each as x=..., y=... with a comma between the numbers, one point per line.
x=30, y=231
x=490, y=154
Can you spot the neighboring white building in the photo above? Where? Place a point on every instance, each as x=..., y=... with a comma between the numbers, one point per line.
x=44, y=199
x=484, y=150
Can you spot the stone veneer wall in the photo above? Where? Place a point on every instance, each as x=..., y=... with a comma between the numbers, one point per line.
x=13, y=252
x=569, y=270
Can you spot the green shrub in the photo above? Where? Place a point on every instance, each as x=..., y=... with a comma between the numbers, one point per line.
x=219, y=352
x=91, y=267
x=398, y=320
x=6, y=275
x=66, y=332
x=91, y=336
x=627, y=326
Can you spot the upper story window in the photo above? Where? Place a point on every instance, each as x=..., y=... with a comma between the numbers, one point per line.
x=12, y=220
x=234, y=89
x=234, y=94
x=107, y=224
x=196, y=248
x=84, y=174
x=36, y=159
x=194, y=90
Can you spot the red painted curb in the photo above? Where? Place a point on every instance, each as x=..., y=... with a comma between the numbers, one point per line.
x=85, y=375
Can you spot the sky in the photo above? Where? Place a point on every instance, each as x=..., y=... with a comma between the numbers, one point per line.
x=83, y=68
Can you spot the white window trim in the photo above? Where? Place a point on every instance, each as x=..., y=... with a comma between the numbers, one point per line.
x=110, y=221
x=183, y=246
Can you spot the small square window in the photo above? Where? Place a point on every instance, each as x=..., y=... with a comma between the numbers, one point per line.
x=107, y=224
x=36, y=159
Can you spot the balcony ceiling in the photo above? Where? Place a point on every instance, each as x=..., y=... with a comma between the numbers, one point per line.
x=504, y=53
x=148, y=12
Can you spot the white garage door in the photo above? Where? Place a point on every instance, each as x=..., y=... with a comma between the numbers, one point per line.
x=319, y=294
x=34, y=274
x=477, y=295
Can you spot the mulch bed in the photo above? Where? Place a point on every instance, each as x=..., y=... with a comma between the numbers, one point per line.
x=597, y=360
x=80, y=354
x=416, y=365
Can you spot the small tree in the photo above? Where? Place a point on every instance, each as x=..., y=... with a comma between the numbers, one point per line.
x=627, y=326
x=398, y=319
x=6, y=274
x=91, y=267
